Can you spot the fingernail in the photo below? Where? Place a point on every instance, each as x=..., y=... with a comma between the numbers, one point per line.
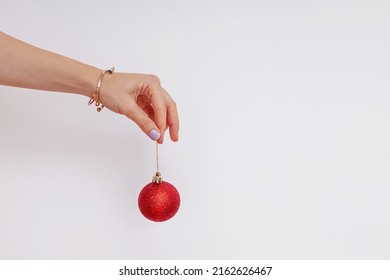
x=154, y=134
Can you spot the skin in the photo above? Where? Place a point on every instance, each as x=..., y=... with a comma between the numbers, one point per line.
x=139, y=97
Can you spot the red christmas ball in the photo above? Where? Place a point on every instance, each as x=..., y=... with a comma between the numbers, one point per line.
x=159, y=202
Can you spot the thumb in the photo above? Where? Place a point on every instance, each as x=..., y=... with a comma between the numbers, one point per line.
x=145, y=123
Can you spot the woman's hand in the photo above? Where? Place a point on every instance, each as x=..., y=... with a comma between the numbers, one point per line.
x=142, y=99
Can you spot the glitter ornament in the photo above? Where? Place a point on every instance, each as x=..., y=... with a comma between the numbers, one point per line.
x=159, y=200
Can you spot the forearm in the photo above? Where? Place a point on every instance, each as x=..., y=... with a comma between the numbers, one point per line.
x=23, y=65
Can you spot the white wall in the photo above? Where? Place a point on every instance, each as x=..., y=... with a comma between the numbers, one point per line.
x=284, y=150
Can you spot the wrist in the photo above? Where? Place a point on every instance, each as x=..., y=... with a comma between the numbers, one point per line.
x=95, y=97
x=89, y=81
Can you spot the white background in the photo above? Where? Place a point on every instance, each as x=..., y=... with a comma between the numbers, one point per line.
x=284, y=149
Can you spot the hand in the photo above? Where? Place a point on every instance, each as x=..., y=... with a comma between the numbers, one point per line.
x=142, y=99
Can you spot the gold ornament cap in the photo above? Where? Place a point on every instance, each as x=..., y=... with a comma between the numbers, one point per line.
x=157, y=178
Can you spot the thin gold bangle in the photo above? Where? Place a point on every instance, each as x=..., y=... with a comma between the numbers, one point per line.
x=95, y=95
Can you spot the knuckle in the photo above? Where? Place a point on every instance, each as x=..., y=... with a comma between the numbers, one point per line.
x=153, y=78
x=144, y=123
x=160, y=110
x=173, y=104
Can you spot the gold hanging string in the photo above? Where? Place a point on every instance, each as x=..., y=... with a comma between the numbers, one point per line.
x=157, y=178
x=157, y=155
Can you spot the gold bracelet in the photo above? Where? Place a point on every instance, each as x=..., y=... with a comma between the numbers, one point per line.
x=95, y=94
